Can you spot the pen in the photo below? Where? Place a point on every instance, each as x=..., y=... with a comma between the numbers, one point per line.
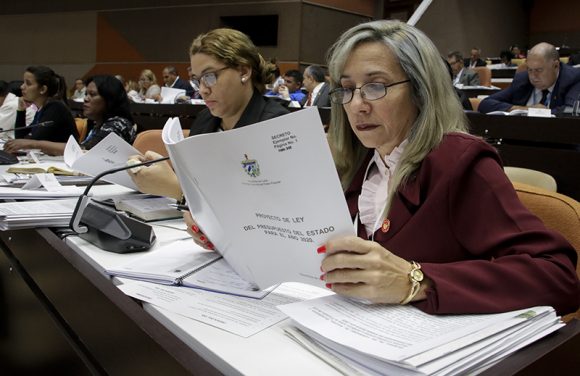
x=180, y=207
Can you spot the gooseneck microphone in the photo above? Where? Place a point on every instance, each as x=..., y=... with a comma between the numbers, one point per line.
x=109, y=229
x=47, y=123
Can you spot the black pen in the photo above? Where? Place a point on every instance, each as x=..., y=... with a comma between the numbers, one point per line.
x=180, y=207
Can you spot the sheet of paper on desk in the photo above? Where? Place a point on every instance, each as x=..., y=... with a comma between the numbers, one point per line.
x=241, y=316
x=266, y=195
x=111, y=152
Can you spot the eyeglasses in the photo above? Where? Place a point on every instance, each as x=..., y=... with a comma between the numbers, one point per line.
x=370, y=91
x=209, y=79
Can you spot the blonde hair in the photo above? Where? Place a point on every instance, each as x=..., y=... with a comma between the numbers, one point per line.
x=148, y=73
x=440, y=111
x=235, y=49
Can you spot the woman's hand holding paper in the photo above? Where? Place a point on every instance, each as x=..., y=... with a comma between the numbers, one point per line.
x=193, y=229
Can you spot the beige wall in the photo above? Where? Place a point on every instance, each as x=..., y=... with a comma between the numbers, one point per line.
x=78, y=39
x=492, y=25
x=64, y=41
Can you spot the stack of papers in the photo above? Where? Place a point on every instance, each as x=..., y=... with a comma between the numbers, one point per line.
x=402, y=340
x=30, y=214
x=14, y=193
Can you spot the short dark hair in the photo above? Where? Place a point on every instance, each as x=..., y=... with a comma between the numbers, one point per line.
x=456, y=54
x=171, y=70
x=113, y=92
x=317, y=73
x=4, y=88
x=295, y=74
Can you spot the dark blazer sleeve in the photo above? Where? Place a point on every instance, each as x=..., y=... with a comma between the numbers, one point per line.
x=515, y=261
x=63, y=126
x=183, y=84
x=567, y=88
x=323, y=98
x=517, y=94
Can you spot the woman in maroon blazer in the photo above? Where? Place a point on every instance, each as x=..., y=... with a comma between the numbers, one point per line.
x=439, y=223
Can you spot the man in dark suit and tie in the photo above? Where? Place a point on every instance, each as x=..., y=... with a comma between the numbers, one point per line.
x=317, y=88
x=171, y=79
x=475, y=59
x=546, y=84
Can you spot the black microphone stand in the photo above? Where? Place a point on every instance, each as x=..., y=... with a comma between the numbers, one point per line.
x=106, y=228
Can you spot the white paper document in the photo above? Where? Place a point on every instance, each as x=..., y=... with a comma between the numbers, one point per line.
x=168, y=94
x=111, y=152
x=238, y=315
x=382, y=336
x=184, y=263
x=266, y=195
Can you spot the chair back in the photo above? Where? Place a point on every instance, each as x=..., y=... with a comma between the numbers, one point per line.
x=151, y=140
x=531, y=177
x=522, y=67
x=81, y=124
x=558, y=212
x=474, y=103
x=484, y=75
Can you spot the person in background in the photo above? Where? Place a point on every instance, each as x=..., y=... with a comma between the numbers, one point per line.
x=506, y=59
x=106, y=105
x=439, y=223
x=148, y=88
x=517, y=52
x=8, y=107
x=546, y=84
x=47, y=90
x=231, y=76
x=317, y=87
x=193, y=82
x=290, y=89
x=80, y=90
x=465, y=103
x=171, y=79
x=132, y=90
x=461, y=75
x=475, y=59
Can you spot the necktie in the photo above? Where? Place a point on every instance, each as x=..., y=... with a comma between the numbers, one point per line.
x=545, y=93
x=309, y=100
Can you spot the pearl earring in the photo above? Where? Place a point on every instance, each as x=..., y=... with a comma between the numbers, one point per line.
x=243, y=80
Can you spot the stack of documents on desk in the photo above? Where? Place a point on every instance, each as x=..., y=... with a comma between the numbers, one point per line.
x=402, y=340
x=14, y=193
x=31, y=214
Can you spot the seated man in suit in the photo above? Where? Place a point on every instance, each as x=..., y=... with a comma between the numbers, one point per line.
x=317, y=87
x=475, y=59
x=171, y=79
x=546, y=84
x=461, y=74
x=290, y=89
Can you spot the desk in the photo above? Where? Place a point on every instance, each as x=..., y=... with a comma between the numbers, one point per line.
x=503, y=72
x=550, y=145
x=114, y=334
x=473, y=92
x=153, y=116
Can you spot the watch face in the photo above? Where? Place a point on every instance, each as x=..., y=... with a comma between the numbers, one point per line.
x=417, y=275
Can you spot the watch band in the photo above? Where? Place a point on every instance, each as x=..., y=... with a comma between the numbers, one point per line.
x=415, y=276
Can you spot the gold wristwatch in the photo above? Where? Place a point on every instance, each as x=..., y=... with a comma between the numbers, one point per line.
x=415, y=276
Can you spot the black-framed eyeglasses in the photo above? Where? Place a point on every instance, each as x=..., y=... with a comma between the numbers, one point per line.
x=370, y=91
x=209, y=79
